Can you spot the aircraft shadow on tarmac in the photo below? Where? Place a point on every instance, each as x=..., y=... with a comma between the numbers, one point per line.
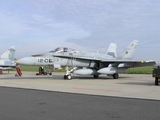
x=60, y=77
x=100, y=78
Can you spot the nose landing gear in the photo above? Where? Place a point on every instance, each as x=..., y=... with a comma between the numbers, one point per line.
x=68, y=76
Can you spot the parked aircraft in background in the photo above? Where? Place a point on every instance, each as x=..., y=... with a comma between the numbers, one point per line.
x=88, y=63
x=7, y=60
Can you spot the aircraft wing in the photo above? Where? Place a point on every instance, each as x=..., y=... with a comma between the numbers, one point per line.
x=114, y=62
x=129, y=63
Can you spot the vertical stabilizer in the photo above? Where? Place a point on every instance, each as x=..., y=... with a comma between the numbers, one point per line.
x=9, y=54
x=129, y=51
x=112, y=50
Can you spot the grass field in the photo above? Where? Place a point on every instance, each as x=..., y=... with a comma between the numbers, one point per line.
x=138, y=70
x=35, y=68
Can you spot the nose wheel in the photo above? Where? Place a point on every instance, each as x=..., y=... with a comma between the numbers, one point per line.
x=67, y=77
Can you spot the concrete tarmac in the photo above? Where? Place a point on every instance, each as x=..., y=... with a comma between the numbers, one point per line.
x=29, y=104
x=32, y=97
x=128, y=85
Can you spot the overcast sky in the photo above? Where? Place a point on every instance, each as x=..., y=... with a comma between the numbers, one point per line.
x=37, y=26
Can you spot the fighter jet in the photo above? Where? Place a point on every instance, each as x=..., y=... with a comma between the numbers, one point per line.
x=88, y=63
x=7, y=59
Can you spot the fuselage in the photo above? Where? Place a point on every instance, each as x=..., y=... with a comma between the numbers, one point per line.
x=68, y=59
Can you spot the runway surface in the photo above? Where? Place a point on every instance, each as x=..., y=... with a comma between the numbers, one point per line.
x=50, y=97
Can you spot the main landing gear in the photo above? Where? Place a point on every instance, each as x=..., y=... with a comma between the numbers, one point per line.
x=115, y=76
x=96, y=75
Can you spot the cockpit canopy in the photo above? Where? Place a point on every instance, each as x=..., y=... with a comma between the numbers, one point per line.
x=62, y=49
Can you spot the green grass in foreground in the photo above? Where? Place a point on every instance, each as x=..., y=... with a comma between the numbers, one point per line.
x=137, y=70
x=29, y=68
x=140, y=70
x=35, y=68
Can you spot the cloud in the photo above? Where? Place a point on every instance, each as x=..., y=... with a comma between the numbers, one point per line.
x=10, y=26
x=86, y=24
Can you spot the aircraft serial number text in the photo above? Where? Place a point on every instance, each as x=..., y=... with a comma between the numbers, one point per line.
x=45, y=60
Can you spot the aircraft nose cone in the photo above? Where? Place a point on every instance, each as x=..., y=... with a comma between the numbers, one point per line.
x=25, y=61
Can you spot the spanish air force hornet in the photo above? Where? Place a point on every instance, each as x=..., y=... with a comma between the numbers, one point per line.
x=88, y=63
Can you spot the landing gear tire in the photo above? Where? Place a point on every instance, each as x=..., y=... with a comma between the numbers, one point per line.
x=67, y=77
x=115, y=76
x=16, y=75
x=44, y=73
x=50, y=73
x=95, y=76
x=156, y=81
